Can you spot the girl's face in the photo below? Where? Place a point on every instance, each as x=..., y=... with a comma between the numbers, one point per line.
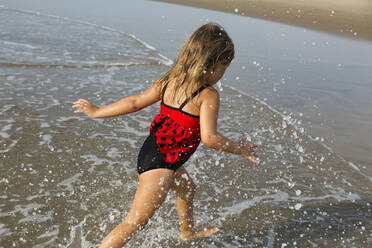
x=216, y=74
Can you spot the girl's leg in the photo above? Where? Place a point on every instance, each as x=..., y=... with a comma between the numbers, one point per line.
x=151, y=192
x=184, y=187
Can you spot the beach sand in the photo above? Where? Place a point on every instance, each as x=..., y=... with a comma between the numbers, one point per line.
x=352, y=19
x=68, y=180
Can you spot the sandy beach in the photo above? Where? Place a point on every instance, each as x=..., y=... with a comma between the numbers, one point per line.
x=352, y=19
x=68, y=180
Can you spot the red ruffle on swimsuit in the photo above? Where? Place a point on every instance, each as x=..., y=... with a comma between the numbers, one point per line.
x=174, y=137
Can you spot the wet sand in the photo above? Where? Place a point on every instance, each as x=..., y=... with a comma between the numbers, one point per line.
x=352, y=19
x=68, y=180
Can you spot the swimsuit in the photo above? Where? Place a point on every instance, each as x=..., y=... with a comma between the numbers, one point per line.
x=174, y=137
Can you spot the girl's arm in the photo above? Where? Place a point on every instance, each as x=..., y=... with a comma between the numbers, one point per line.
x=208, y=129
x=124, y=106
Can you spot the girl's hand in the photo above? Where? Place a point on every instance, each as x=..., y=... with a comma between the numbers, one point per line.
x=86, y=107
x=247, y=151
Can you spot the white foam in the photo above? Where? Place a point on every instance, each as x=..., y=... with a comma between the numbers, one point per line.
x=298, y=206
x=9, y=147
x=163, y=59
x=4, y=230
x=12, y=43
x=4, y=135
x=25, y=210
x=238, y=208
x=166, y=61
x=142, y=42
x=114, y=153
x=354, y=166
x=271, y=236
x=78, y=240
x=68, y=183
x=52, y=235
x=96, y=161
x=277, y=147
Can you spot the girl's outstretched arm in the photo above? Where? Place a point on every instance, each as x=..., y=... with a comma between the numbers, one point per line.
x=208, y=129
x=124, y=106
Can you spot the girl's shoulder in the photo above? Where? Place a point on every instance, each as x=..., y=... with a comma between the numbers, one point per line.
x=209, y=94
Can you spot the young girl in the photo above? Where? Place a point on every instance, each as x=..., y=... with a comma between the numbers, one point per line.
x=188, y=114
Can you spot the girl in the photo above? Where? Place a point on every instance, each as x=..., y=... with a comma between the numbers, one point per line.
x=188, y=114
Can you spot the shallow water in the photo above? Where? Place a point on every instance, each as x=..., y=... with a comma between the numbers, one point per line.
x=67, y=180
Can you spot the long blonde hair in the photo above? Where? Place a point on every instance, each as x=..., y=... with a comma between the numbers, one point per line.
x=206, y=47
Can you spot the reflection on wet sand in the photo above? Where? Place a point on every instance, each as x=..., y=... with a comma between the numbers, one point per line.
x=352, y=19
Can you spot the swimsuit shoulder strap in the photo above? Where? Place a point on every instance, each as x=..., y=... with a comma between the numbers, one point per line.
x=192, y=96
x=163, y=91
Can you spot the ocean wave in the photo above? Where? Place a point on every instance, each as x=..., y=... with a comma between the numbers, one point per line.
x=77, y=66
x=161, y=60
x=12, y=43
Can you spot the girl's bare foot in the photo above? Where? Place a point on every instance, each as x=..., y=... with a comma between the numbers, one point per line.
x=205, y=233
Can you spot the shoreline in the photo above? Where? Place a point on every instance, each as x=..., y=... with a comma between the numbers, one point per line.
x=352, y=19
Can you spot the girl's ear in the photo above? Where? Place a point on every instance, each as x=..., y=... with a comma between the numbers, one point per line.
x=212, y=68
x=225, y=62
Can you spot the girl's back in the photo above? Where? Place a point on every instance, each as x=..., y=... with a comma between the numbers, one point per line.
x=192, y=107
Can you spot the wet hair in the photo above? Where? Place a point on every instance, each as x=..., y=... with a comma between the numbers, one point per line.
x=208, y=46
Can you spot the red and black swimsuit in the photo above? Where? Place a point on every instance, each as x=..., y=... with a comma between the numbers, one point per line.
x=174, y=137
